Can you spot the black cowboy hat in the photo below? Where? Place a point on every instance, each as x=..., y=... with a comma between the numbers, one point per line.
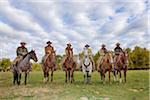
x=87, y=45
x=103, y=45
x=49, y=42
x=22, y=43
x=118, y=43
x=68, y=44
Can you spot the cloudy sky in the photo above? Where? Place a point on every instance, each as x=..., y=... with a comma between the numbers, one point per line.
x=76, y=21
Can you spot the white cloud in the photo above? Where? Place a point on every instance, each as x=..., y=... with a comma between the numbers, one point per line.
x=79, y=22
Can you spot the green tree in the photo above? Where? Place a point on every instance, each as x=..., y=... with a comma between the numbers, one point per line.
x=5, y=63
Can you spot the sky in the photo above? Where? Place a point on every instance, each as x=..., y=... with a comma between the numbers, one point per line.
x=78, y=22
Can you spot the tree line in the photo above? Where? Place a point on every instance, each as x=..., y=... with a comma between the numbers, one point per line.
x=138, y=59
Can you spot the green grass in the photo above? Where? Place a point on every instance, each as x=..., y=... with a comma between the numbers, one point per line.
x=136, y=88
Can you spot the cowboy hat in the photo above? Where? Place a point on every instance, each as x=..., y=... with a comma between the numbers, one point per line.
x=103, y=45
x=49, y=42
x=68, y=44
x=87, y=45
x=118, y=43
x=22, y=43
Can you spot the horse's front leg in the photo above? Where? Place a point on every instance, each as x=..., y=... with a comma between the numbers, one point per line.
x=72, y=78
x=66, y=75
x=109, y=75
x=120, y=77
x=15, y=77
x=25, y=82
x=52, y=75
x=18, y=78
x=84, y=75
x=125, y=75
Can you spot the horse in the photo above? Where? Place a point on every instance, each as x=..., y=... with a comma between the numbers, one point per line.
x=69, y=67
x=87, y=67
x=120, y=64
x=23, y=66
x=105, y=66
x=49, y=63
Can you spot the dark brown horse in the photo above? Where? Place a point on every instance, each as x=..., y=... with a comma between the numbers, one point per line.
x=105, y=66
x=49, y=63
x=69, y=67
x=121, y=64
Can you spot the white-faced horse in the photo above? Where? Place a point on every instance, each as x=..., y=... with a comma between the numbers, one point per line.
x=87, y=66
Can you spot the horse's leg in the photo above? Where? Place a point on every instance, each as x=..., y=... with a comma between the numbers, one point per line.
x=120, y=80
x=69, y=75
x=44, y=76
x=47, y=76
x=114, y=73
x=18, y=78
x=125, y=75
x=52, y=75
x=109, y=75
x=15, y=77
x=104, y=77
x=66, y=75
x=25, y=82
x=72, y=76
x=89, y=77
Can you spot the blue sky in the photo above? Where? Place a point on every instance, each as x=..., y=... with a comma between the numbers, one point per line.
x=76, y=21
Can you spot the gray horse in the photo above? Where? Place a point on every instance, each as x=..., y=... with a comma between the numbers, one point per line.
x=23, y=66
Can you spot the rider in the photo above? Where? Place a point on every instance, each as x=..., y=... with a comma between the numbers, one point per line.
x=102, y=53
x=88, y=51
x=21, y=51
x=48, y=50
x=69, y=50
x=117, y=51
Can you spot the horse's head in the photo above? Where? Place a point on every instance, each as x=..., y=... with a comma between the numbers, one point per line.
x=33, y=55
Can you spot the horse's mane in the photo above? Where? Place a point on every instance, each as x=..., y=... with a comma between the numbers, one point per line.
x=25, y=55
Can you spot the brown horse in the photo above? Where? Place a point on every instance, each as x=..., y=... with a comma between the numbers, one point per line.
x=105, y=66
x=69, y=67
x=49, y=63
x=120, y=64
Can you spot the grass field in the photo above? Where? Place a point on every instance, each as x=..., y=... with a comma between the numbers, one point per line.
x=136, y=88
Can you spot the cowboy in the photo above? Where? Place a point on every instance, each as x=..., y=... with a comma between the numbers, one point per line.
x=87, y=50
x=48, y=50
x=117, y=51
x=21, y=51
x=102, y=53
x=69, y=52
